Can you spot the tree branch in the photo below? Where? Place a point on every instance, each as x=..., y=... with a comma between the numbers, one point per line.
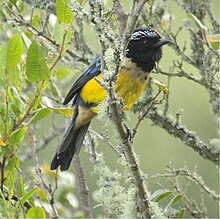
x=83, y=189
x=70, y=55
x=130, y=156
x=132, y=20
x=205, y=150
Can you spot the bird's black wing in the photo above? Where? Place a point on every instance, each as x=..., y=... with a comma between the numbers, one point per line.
x=70, y=144
x=93, y=70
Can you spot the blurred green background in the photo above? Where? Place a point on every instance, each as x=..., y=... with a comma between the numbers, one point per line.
x=154, y=147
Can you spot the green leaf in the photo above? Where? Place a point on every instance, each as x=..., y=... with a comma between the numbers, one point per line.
x=174, y=200
x=14, y=51
x=64, y=111
x=64, y=13
x=17, y=135
x=27, y=195
x=36, y=212
x=42, y=194
x=196, y=21
x=16, y=102
x=214, y=41
x=36, y=69
x=161, y=86
x=59, y=32
x=13, y=76
x=11, y=174
x=215, y=44
x=181, y=213
x=26, y=40
x=21, y=186
x=36, y=20
x=22, y=6
x=12, y=162
x=38, y=115
x=160, y=194
x=13, y=1
x=2, y=16
x=63, y=72
x=3, y=53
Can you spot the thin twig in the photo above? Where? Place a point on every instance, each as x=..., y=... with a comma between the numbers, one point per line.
x=144, y=114
x=121, y=17
x=132, y=20
x=190, y=77
x=44, y=142
x=105, y=139
x=31, y=105
x=61, y=52
x=47, y=188
x=195, y=178
x=189, y=204
x=2, y=172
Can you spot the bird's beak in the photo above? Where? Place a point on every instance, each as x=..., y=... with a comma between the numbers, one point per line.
x=161, y=42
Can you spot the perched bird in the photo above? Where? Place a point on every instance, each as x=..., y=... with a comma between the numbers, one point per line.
x=143, y=51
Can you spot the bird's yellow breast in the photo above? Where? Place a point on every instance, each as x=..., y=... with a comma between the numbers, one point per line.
x=129, y=85
x=92, y=91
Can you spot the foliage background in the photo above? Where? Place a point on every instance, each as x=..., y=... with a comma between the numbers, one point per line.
x=155, y=148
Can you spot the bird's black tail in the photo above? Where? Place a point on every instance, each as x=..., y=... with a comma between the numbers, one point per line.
x=70, y=145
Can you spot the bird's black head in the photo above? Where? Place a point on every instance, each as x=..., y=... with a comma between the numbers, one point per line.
x=144, y=48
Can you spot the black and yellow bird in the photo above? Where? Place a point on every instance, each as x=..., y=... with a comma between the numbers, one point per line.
x=143, y=51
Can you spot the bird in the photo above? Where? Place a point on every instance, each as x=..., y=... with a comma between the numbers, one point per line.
x=143, y=51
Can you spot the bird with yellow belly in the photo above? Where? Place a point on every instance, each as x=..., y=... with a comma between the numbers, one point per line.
x=144, y=50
